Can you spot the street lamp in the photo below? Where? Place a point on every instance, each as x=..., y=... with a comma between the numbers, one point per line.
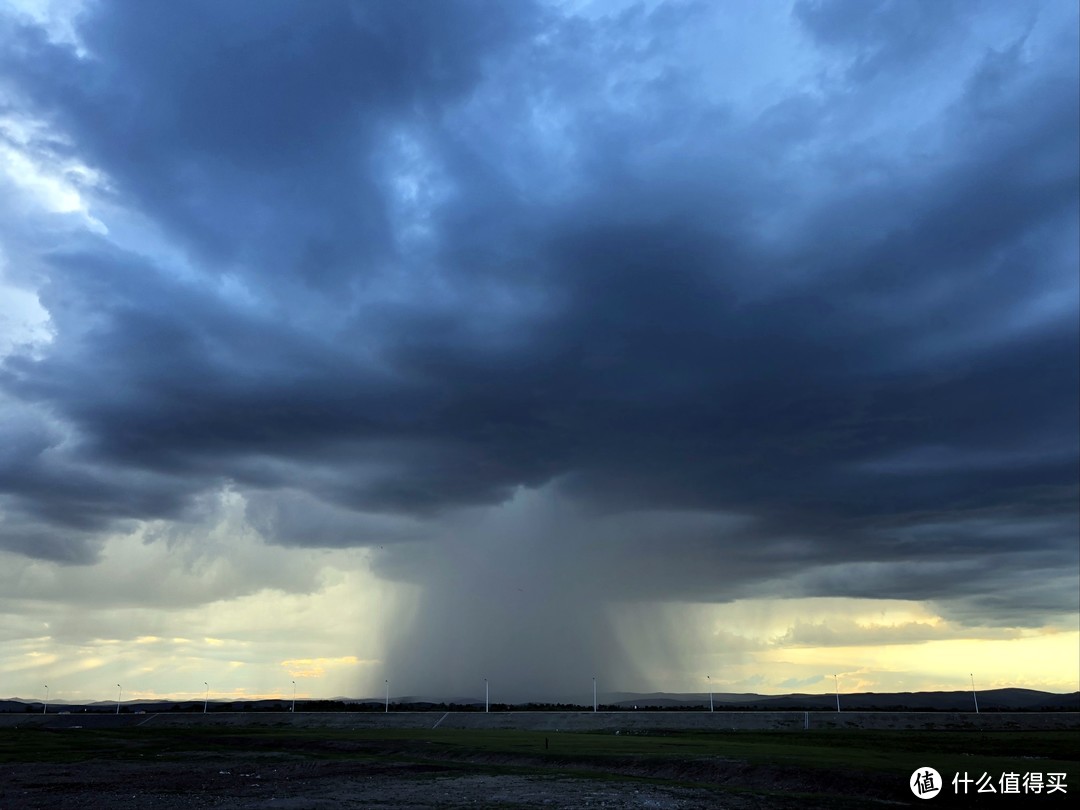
x=45, y=708
x=973, y=695
x=118, y=695
x=837, y=680
x=487, y=701
x=709, y=679
x=206, y=697
x=594, y=693
x=387, y=682
x=293, y=709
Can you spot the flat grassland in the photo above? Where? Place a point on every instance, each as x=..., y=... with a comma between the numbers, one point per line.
x=197, y=761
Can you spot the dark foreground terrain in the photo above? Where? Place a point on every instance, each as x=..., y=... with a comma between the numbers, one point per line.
x=112, y=763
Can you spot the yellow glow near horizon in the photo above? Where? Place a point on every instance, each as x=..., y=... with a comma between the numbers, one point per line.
x=317, y=667
x=1046, y=661
x=253, y=644
x=797, y=645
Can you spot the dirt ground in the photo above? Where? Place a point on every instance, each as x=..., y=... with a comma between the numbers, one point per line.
x=251, y=769
x=298, y=774
x=299, y=786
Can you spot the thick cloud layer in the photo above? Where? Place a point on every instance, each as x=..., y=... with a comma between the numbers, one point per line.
x=797, y=320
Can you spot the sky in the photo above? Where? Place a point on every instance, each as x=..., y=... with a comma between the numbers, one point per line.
x=353, y=348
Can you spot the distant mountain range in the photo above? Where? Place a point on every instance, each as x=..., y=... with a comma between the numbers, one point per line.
x=990, y=700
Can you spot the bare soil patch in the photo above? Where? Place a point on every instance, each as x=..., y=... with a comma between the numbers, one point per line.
x=207, y=783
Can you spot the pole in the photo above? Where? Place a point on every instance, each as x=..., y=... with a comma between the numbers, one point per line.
x=206, y=697
x=118, y=695
x=387, y=682
x=293, y=709
x=45, y=708
x=709, y=679
x=487, y=700
x=837, y=692
x=594, y=693
x=973, y=694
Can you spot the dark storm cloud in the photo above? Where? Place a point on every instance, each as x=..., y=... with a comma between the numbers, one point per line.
x=248, y=130
x=438, y=252
x=877, y=36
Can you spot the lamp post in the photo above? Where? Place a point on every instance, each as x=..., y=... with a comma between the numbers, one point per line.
x=594, y=693
x=837, y=680
x=293, y=708
x=206, y=697
x=387, y=682
x=118, y=695
x=973, y=694
x=45, y=708
x=709, y=679
x=487, y=700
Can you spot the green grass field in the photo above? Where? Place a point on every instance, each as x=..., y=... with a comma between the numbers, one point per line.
x=822, y=766
x=884, y=750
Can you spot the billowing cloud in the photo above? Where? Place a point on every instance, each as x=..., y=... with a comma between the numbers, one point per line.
x=466, y=283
